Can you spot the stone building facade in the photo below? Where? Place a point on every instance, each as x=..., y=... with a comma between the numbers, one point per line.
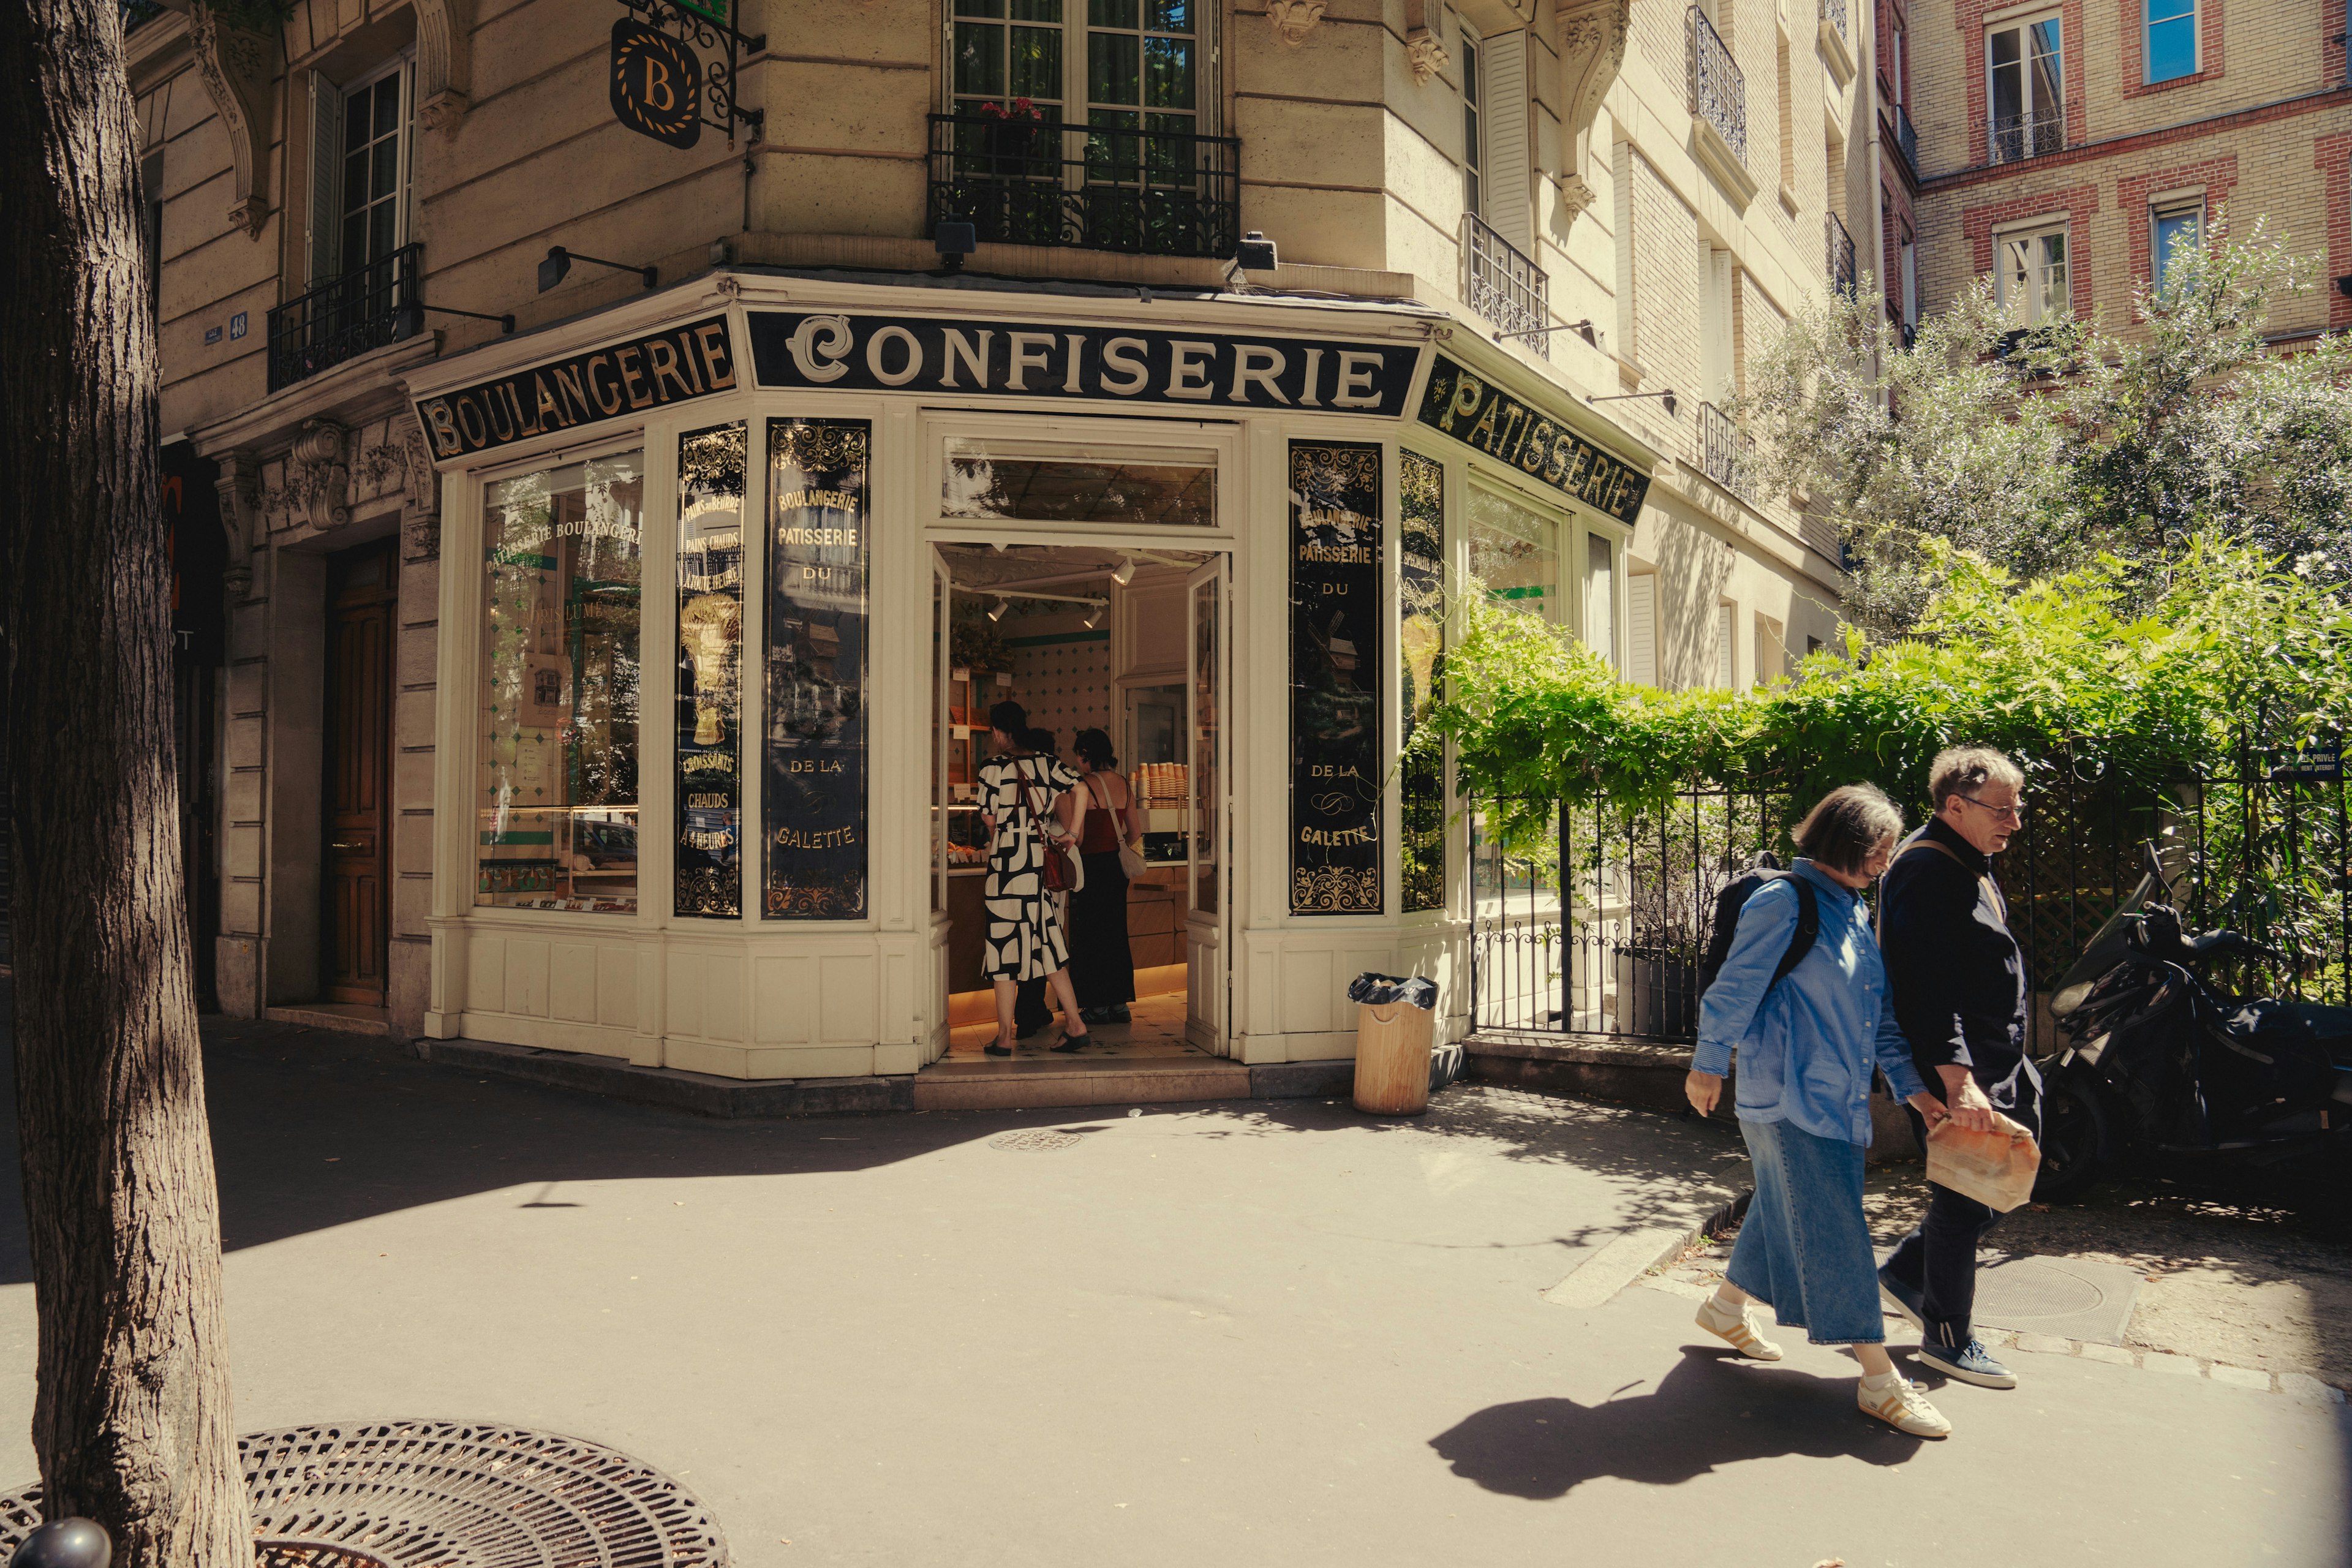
x=354, y=219
x=2065, y=149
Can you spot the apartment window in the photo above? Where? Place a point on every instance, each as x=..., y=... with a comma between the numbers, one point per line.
x=2022, y=69
x=2030, y=274
x=1601, y=596
x=1772, y=652
x=1642, y=628
x=2170, y=39
x=2173, y=231
x=360, y=152
x=1474, y=131
x=1726, y=652
x=1907, y=261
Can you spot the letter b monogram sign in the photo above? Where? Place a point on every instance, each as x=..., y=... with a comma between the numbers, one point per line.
x=656, y=84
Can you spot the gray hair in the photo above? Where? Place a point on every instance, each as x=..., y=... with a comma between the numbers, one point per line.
x=1964, y=770
x=1846, y=825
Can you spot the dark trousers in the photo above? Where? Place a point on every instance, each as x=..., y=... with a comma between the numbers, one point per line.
x=1030, y=1012
x=1939, y=1260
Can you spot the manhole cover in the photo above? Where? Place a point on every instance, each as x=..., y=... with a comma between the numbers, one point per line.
x=2024, y=1289
x=450, y=1494
x=1035, y=1141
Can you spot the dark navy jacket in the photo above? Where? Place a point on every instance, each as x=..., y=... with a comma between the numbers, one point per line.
x=1959, y=975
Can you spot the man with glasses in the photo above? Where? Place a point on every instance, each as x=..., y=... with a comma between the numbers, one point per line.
x=1961, y=996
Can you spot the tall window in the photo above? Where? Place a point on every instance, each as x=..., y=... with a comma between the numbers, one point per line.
x=1601, y=596
x=2173, y=232
x=2022, y=69
x=360, y=155
x=1474, y=131
x=1908, y=260
x=2171, y=39
x=1515, y=552
x=1726, y=652
x=2030, y=275
x=1132, y=64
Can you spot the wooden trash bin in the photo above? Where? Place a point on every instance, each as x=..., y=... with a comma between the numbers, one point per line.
x=1392, y=1044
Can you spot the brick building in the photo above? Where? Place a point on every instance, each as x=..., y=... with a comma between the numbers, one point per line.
x=2064, y=149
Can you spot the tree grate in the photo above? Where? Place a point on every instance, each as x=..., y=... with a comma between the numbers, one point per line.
x=1035, y=1141
x=450, y=1494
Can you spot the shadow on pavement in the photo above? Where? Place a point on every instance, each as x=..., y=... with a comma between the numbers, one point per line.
x=1710, y=1411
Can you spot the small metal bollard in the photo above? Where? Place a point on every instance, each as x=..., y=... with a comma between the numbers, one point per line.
x=65, y=1544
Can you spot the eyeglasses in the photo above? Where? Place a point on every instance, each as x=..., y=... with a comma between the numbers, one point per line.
x=2014, y=812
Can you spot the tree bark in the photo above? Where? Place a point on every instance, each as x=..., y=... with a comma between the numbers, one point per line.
x=131, y=1419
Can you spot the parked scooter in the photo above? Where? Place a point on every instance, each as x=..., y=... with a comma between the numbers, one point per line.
x=2158, y=1063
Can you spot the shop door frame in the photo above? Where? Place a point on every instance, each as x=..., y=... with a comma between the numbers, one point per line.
x=1208, y=985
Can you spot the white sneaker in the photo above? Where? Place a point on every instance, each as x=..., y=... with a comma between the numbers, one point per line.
x=1901, y=1406
x=1736, y=1328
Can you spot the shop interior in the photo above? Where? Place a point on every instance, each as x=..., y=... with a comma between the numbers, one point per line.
x=1083, y=637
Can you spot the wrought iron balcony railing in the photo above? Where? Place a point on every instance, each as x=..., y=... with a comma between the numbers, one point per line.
x=1723, y=450
x=1907, y=138
x=1719, y=91
x=345, y=316
x=1841, y=274
x=2016, y=137
x=1090, y=187
x=1504, y=286
x=1833, y=12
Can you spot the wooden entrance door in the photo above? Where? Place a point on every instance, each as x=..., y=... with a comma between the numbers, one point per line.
x=362, y=588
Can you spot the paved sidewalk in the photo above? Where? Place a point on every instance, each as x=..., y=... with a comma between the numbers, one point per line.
x=1251, y=1334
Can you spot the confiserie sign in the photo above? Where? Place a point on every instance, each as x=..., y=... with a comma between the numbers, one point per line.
x=652, y=371
x=1487, y=417
x=1022, y=359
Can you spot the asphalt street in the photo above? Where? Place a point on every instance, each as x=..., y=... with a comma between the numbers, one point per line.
x=1272, y=1332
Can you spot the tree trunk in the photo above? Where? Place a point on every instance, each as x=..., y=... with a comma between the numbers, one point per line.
x=132, y=1420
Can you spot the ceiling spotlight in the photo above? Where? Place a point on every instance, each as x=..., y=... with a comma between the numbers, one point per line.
x=998, y=613
x=1094, y=617
x=1126, y=573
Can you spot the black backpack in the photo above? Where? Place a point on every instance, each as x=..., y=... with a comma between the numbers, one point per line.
x=1728, y=904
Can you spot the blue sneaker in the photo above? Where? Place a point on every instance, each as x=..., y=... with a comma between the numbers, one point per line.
x=1967, y=1364
x=1903, y=1299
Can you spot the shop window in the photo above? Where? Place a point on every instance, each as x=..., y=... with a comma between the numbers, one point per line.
x=2170, y=39
x=2173, y=233
x=814, y=792
x=1420, y=648
x=1028, y=481
x=2030, y=276
x=558, y=774
x=1515, y=554
x=1335, y=678
x=2023, y=72
x=709, y=792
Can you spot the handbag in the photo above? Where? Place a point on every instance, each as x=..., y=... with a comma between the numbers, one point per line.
x=1063, y=872
x=1996, y=1168
x=1130, y=863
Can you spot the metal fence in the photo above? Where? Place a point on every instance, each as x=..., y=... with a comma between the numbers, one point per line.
x=2016, y=137
x=1504, y=286
x=1723, y=449
x=1840, y=261
x=2260, y=847
x=344, y=317
x=1718, y=90
x=1833, y=12
x=1144, y=191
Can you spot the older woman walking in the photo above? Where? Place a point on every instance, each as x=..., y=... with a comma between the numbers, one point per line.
x=1807, y=1043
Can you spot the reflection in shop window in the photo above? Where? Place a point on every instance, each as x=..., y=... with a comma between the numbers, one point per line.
x=1514, y=553
x=709, y=672
x=1155, y=487
x=558, y=777
x=818, y=553
x=1421, y=645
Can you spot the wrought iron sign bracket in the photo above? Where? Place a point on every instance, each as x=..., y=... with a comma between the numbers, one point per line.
x=708, y=25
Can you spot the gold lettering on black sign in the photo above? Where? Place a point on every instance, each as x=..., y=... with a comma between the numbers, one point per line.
x=1477, y=413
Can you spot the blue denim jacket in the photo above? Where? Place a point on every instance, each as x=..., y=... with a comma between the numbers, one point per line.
x=1805, y=1050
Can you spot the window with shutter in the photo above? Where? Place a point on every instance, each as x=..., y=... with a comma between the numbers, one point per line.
x=1642, y=628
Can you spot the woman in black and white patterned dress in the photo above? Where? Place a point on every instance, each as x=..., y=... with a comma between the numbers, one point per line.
x=1024, y=939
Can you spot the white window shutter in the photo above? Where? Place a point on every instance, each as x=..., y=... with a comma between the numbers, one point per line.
x=1727, y=653
x=1641, y=629
x=1510, y=200
x=325, y=218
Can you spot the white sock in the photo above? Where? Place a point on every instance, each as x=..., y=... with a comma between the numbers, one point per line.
x=1887, y=1379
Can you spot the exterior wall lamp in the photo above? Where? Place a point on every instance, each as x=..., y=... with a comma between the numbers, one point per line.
x=1584, y=329
x=1666, y=397
x=559, y=262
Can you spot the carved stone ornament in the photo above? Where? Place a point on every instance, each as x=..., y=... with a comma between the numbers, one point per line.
x=420, y=518
x=235, y=66
x=1591, y=50
x=1294, y=19
x=444, y=72
x=1424, y=50
x=317, y=486
x=239, y=487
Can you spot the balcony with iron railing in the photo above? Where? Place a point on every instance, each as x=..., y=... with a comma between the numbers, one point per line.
x=1723, y=450
x=2017, y=137
x=1907, y=139
x=1840, y=261
x=1092, y=188
x=1834, y=13
x=345, y=316
x=1719, y=91
x=1502, y=285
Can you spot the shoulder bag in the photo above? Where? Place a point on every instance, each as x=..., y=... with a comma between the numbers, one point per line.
x=1063, y=872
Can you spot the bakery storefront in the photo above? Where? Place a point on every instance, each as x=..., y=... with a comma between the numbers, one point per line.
x=733, y=574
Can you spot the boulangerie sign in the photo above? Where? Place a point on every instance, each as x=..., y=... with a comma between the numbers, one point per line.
x=676, y=365
x=1113, y=364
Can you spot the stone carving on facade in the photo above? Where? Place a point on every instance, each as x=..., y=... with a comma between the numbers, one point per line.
x=1591, y=50
x=443, y=61
x=239, y=485
x=420, y=516
x=317, y=489
x=1425, y=51
x=236, y=67
x=1294, y=19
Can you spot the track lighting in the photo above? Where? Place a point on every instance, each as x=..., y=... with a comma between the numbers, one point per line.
x=998, y=613
x=1126, y=573
x=1094, y=617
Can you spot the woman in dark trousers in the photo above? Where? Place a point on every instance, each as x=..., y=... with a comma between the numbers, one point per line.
x=1102, y=965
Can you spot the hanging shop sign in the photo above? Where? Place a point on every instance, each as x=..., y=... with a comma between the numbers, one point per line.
x=661, y=88
x=1022, y=359
x=656, y=84
x=1480, y=415
x=1335, y=678
x=674, y=365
